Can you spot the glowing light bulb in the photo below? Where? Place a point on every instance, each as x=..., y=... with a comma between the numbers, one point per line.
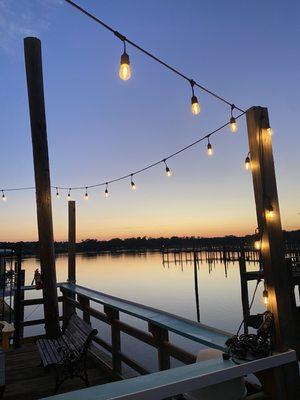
x=257, y=244
x=4, y=198
x=270, y=212
x=57, y=194
x=233, y=125
x=69, y=195
x=86, y=196
x=195, y=107
x=106, y=191
x=168, y=171
x=125, y=70
x=266, y=297
x=210, y=151
x=133, y=187
x=247, y=163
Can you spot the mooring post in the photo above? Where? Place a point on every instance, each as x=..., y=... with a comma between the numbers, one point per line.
x=33, y=62
x=276, y=274
x=72, y=242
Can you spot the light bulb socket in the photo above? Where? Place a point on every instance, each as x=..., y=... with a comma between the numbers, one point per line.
x=125, y=58
x=209, y=146
x=194, y=99
x=232, y=120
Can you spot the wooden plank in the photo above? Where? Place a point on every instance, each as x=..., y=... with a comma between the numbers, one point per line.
x=34, y=73
x=200, y=333
x=161, y=385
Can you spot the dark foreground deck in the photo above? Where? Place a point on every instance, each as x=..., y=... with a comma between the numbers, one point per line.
x=25, y=380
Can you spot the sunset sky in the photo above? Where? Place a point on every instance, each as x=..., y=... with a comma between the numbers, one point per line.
x=100, y=127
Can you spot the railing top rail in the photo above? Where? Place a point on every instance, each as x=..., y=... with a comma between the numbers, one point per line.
x=164, y=384
x=200, y=333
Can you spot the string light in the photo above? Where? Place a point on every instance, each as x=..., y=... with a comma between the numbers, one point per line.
x=270, y=211
x=195, y=107
x=248, y=162
x=210, y=150
x=133, y=187
x=106, y=191
x=86, y=195
x=124, y=70
x=139, y=171
x=233, y=123
x=4, y=198
x=147, y=53
x=266, y=297
x=69, y=195
x=269, y=130
x=257, y=243
x=57, y=194
x=168, y=171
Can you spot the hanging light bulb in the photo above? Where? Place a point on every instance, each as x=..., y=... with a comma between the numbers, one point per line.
x=233, y=123
x=248, y=162
x=86, y=195
x=266, y=297
x=168, y=171
x=133, y=187
x=257, y=243
x=195, y=107
x=69, y=195
x=4, y=198
x=124, y=70
x=269, y=130
x=57, y=194
x=106, y=191
x=210, y=151
x=270, y=211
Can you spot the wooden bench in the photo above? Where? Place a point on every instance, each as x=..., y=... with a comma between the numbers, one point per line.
x=67, y=354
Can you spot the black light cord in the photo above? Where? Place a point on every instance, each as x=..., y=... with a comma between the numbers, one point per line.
x=147, y=53
x=139, y=171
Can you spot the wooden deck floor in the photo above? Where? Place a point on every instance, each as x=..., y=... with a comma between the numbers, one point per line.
x=25, y=380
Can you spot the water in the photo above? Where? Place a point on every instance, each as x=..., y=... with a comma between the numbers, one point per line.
x=171, y=287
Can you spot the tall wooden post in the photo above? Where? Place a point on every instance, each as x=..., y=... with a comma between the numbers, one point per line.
x=72, y=242
x=33, y=62
x=276, y=274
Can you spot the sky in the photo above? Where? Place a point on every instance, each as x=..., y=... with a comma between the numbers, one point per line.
x=100, y=127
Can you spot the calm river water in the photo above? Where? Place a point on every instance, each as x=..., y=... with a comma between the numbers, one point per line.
x=143, y=278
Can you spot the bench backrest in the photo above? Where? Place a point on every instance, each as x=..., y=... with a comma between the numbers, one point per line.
x=79, y=333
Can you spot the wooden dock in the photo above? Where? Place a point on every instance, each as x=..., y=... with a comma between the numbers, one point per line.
x=26, y=380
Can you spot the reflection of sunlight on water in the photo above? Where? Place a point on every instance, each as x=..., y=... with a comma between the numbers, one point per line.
x=143, y=278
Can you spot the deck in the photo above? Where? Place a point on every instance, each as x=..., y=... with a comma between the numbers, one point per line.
x=26, y=380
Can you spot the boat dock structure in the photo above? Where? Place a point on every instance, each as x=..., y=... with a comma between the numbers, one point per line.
x=80, y=354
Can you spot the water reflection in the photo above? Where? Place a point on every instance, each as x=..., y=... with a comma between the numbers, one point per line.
x=208, y=289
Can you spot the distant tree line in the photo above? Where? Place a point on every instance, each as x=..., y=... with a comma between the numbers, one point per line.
x=148, y=243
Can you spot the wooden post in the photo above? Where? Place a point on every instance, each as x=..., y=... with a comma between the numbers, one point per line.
x=85, y=304
x=33, y=62
x=272, y=251
x=72, y=242
x=160, y=336
x=244, y=290
x=113, y=317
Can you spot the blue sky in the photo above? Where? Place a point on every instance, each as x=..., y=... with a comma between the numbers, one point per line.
x=100, y=127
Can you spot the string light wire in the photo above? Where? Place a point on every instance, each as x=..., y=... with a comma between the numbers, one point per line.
x=124, y=39
x=139, y=171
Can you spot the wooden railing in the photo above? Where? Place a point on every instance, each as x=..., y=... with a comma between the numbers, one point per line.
x=157, y=336
x=159, y=325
